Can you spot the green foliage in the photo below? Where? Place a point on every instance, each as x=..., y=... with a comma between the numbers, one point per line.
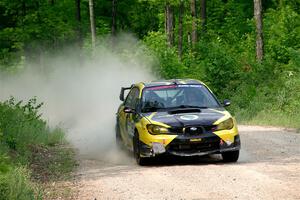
x=57, y=136
x=30, y=27
x=16, y=185
x=21, y=125
x=168, y=65
x=4, y=162
x=23, y=138
x=224, y=58
x=282, y=33
x=221, y=70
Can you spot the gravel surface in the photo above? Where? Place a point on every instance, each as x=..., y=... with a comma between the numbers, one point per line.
x=268, y=168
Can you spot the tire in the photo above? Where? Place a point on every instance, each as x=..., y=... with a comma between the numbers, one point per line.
x=136, y=150
x=230, y=156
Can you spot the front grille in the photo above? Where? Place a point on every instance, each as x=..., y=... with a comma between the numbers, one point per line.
x=192, y=130
x=176, y=130
x=209, y=128
x=185, y=146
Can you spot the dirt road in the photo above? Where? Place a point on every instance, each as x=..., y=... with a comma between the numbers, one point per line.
x=268, y=168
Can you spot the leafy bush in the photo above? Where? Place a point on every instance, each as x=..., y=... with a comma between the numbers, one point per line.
x=21, y=125
x=22, y=132
x=168, y=64
x=282, y=33
x=16, y=185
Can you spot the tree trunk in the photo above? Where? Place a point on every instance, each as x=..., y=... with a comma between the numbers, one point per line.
x=113, y=23
x=194, y=22
x=259, y=30
x=169, y=24
x=203, y=15
x=78, y=19
x=180, y=29
x=79, y=38
x=114, y=14
x=27, y=53
x=92, y=21
x=78, y=13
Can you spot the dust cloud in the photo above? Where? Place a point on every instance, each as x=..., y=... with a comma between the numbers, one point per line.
x=83, y=98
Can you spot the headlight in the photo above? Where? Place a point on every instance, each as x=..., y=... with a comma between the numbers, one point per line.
x=225, y=125
x=156, y=129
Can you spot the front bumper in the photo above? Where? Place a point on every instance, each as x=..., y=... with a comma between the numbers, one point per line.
x=192, y=146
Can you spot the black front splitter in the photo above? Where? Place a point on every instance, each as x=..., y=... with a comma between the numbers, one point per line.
x=199, y=153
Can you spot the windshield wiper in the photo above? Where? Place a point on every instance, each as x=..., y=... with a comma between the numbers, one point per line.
x=151, y=109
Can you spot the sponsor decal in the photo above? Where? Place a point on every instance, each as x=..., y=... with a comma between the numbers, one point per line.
x=161, y=87
x=173, y=86
x=189, y=117
x=197, y=86
x=195, y=140
x=193, y=128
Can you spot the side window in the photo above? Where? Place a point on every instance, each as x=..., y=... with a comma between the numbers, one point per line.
x=132, y=98
x=129, y=98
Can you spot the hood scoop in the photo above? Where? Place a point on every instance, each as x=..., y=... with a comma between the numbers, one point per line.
x=185, y=110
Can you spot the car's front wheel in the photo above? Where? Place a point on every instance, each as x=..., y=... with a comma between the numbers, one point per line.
x=136, y=150
x=230, y=156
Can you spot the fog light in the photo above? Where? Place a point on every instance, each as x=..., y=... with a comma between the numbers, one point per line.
x=158, y=148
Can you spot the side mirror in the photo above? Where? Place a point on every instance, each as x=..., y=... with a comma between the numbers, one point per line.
x=226, y=103
x=122, y=96
x=129, y=110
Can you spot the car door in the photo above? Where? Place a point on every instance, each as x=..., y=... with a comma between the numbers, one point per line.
x=127, y=118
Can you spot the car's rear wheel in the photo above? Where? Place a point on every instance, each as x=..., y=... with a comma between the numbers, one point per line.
x=136, y=150
x=230, y=156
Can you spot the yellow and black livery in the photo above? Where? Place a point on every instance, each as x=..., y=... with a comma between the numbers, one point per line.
x=182, y=130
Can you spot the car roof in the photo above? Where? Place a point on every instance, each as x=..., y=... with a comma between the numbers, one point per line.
x=170, y=82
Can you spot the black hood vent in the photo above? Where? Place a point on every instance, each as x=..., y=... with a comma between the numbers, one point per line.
x=185, y=110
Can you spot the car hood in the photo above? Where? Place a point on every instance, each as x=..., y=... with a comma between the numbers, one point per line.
x=204, y=117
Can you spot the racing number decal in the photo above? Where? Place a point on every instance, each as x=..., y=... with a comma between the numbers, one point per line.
x=122, y=123
x=129, y=124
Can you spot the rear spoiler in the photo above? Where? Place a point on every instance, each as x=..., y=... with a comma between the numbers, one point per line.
x=122, y=98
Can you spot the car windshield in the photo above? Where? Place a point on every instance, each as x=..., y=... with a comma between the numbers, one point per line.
x=177, y=96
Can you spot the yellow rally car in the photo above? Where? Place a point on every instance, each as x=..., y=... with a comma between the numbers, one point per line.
x=178, y=117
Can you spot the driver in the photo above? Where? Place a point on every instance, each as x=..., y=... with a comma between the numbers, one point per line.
x=153, y=100
x=192, y=98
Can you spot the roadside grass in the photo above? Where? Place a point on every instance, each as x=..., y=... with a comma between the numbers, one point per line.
x=65, y=190
x=273, y=104
x=52, y=163
x=32, y=156
x=52, y=167
x=47, y=168
x=16, y=184
x=276, y=119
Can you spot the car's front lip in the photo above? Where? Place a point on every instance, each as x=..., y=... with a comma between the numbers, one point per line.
x=187, y=146
x=208, y=145
x=199, y=153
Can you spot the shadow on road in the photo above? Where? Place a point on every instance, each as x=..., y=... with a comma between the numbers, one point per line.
x=189, y=160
